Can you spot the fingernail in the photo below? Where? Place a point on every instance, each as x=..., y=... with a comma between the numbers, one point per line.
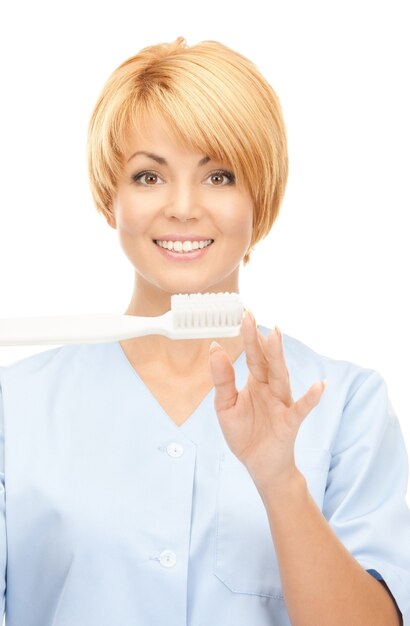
x=214, y=346
x=248, y=312
x=324, y=383
x=279, y=334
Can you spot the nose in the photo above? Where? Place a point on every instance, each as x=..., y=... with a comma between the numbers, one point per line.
x=182, y=203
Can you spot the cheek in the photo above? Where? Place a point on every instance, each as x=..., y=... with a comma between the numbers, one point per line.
x=236, y=219
x=130, y=215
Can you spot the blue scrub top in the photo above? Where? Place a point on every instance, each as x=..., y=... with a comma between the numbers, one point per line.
x=110, y=513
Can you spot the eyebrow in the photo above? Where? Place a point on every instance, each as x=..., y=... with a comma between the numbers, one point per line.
x=163, y=161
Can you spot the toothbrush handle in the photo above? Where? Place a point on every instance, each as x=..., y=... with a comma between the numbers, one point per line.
x=88, y=328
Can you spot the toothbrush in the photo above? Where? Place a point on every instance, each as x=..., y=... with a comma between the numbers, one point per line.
x=192, y=316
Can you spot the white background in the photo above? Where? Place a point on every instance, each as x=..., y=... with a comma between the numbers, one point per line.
x=332, y=273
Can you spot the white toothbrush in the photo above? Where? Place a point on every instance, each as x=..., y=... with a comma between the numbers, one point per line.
x=192, y=316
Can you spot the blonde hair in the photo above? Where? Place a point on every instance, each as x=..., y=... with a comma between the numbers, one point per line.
x=215, y=100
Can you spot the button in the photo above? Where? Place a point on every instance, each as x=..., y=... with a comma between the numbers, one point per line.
x=167, y=558
x=175, y=449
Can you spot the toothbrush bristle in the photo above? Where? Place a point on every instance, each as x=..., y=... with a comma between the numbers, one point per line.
x=202, y=310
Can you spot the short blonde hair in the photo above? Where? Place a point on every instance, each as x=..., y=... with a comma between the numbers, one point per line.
x=215, y=100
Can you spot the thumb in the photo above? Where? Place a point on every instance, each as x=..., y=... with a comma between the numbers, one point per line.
x=223, y=375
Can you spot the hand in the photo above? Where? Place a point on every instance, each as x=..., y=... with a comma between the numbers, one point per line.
x=260, y=423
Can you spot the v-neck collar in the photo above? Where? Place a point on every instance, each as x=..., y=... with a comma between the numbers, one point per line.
x=187, y=422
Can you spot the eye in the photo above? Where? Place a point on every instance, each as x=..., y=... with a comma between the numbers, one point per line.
x=136, y=177
x=229, y=175
x=221, y=173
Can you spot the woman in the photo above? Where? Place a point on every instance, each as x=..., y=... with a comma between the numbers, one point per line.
x=153, y=481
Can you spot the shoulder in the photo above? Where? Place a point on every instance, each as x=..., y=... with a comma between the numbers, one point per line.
x=355, y=403
x=305, y=363
x=54, y=364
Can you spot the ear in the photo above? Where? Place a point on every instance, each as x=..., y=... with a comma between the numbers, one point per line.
x=111, y=220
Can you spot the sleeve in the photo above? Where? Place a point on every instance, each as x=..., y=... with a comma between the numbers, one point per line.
x=374, y=574
x=365, y=497
x=3, y=539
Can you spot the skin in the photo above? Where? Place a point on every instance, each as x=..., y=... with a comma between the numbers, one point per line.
x=260, y=423
x=181, y=198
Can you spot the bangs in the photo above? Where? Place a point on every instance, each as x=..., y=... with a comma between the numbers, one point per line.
x=195, y=124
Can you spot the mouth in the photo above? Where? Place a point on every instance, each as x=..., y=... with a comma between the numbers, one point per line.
x=180, y=249
x=184, y=255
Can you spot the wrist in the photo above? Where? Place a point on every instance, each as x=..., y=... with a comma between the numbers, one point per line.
x=290, y=487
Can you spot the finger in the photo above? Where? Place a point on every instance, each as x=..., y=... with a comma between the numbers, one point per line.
x=306, y=403
x=263, y=342
x=223, y=374
x=256, y=359
x=265, y=347
x=278, y=375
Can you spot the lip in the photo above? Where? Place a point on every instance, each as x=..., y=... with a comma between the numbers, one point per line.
x=175, y=237
x=183, y=256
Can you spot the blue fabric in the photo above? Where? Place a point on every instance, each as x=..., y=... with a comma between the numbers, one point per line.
x=110, y=513
x=375, y=574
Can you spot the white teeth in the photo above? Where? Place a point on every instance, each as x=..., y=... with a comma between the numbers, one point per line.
x=183, y=246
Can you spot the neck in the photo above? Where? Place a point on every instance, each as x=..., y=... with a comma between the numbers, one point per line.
x=181, y=356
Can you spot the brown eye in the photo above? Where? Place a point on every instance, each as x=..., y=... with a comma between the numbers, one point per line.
x=220, y=174
x=150, y=176
x=217, y=176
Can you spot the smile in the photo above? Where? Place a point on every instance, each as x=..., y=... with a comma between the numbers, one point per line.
x=183, y=246
x=196, y=252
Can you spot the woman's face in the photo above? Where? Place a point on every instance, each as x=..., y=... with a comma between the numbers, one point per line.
x=176, y=198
